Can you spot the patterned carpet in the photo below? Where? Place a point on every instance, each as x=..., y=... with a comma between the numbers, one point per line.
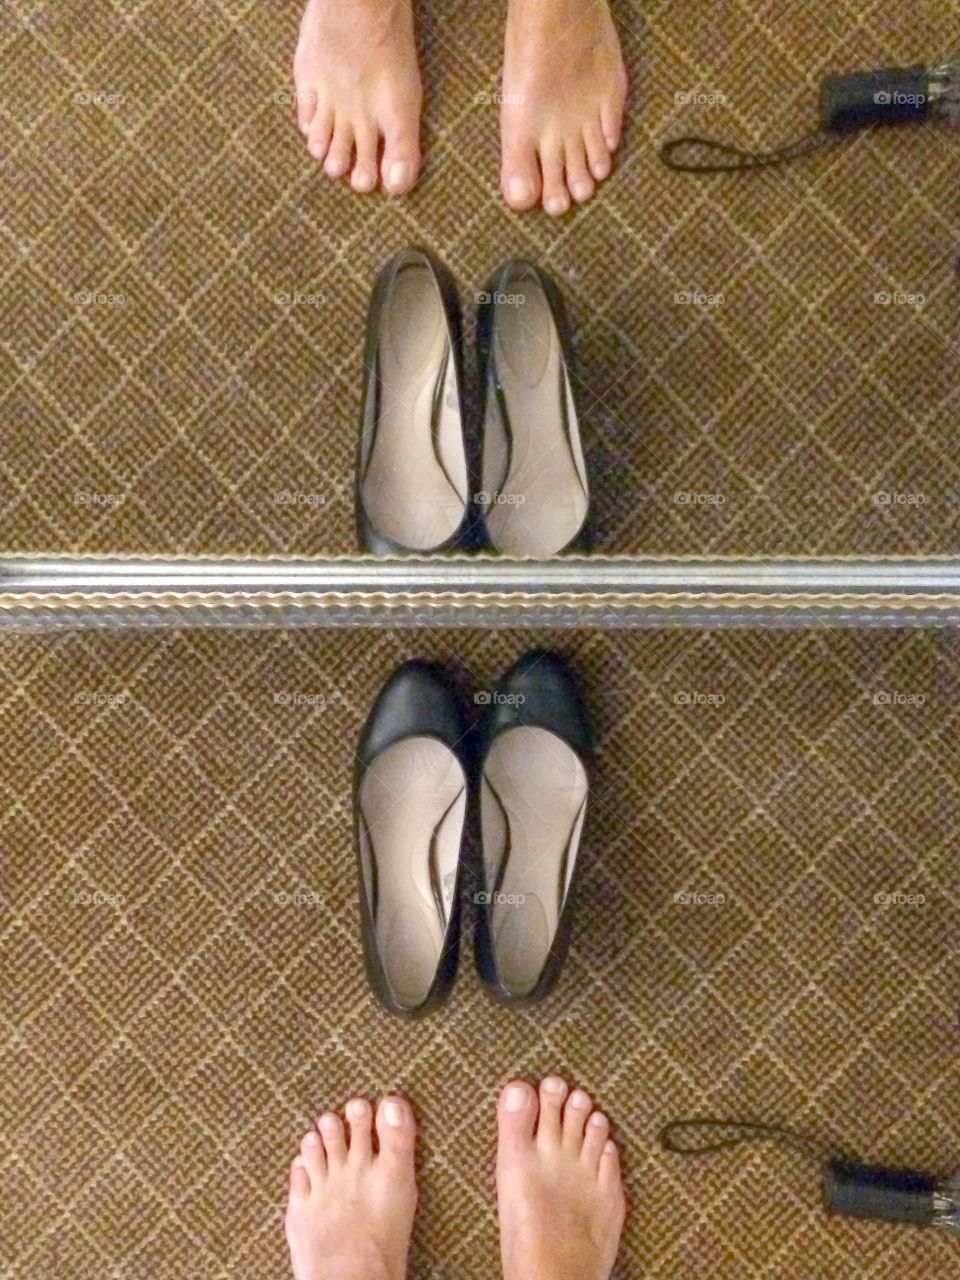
x=182, y=987
x=183, y=296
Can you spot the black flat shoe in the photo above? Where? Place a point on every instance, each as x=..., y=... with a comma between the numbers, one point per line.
x=410, y=803
x=534, y=492
x=536, y=752
x=413, y=481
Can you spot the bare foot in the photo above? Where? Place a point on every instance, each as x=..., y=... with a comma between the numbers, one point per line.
x=357, y=82
x=350, y=1211
x=564, y=87
x=560, y=1199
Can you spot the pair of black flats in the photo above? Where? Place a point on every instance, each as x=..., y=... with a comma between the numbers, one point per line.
x=526, y=767
x=417, y=488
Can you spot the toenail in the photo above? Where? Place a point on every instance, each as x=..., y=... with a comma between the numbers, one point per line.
x=328, y=1122
x=553, y=1084
x=298, y=1162
x=358, y=1107
x=609, y=1148
x=556, y=204
x=520, y=190
x=601, y=170
x=597, y=1118
x=393, y=1114
x=581, y=190
x=579, y=1099
x=399, y=173
x=515, y=1099
x=311, y=1139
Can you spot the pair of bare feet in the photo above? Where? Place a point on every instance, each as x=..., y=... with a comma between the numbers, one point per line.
x=561, y=1202
x=561, y=106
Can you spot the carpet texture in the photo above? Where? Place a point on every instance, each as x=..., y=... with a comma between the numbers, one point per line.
x=768, y=363
x=767, y=928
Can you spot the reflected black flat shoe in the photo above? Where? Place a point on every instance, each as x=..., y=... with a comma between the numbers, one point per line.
x=534, y=491
x=410, y=803
x=413, y=483
x=536, y=751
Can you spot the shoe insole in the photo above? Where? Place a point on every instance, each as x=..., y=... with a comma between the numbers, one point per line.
x=542, y=492
x=414, y=486
x=412, y=804
x=532, y=806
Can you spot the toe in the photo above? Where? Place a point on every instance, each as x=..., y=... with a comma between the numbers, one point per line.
x=611, y=122
x=598, y=154
x=594, y=1140
x=579, y=181
x=341, y=148
x=575, y=1115
x=363, y=176
x=311, y=1153
x=359, y=1118
x=306, y=108
x=553, y=1090
x=516, y=1116
x=334, y=1142
x=519, y=174
x=556, y=198
x=396, y=1129
x=609, y=1171
x=318, y=139
x=401, y=157
x=299, y=1180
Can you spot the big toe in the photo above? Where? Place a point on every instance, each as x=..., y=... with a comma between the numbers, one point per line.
x=396, y=1130
x=400, y=166
x=519, y=171
x=516, y=1117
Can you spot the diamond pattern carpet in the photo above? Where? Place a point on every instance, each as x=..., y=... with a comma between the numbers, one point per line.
x=182, y=295
x=767, y=927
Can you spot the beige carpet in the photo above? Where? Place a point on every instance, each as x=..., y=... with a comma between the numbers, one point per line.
x=172, y=1016
x=158, y=393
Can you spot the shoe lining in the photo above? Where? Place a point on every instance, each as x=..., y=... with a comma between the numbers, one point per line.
x=532, y=806
x=414, y=485
x=412, y=805
x=536, y=469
